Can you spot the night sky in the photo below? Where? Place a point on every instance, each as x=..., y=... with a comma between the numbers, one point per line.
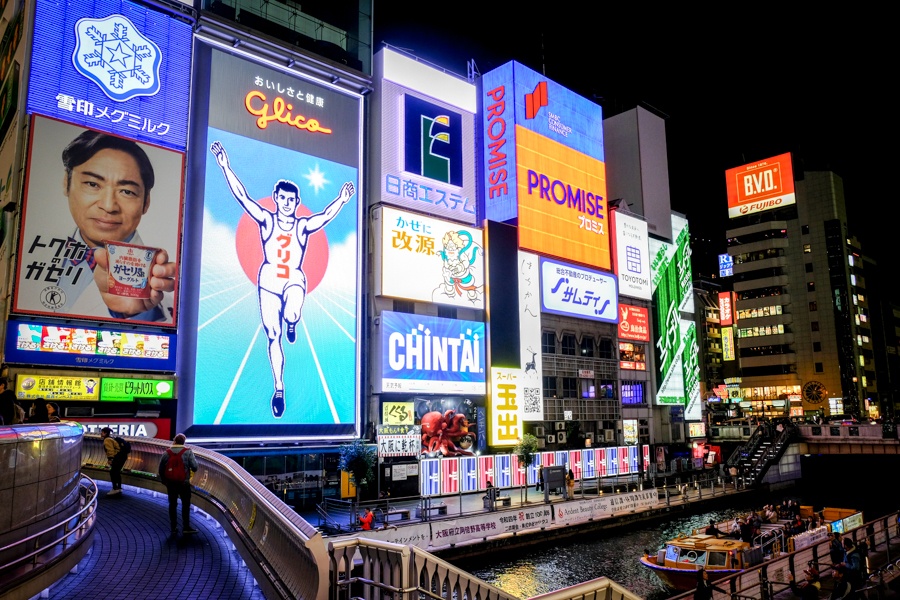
x=733, y=88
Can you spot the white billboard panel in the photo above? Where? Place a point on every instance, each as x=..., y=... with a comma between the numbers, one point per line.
x=531, y=380
x=632, y=256
x=429, y=260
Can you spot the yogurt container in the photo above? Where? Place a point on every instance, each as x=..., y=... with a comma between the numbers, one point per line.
x=129, y=269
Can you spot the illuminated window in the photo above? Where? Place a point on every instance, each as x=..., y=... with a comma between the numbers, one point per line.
x=851, y=260
x=852, y=279
x=861, y=297
x=807, y=248
x=859, y=340
x=588, y=389
x=863, y=317
x=865, y=339
x=865, y=384
x=856, y=318
x=862, y=361
x=820, y=368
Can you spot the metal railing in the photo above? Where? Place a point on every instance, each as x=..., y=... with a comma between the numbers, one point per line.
x=49, y=546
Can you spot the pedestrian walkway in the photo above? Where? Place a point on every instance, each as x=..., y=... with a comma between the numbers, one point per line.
x=134, y=557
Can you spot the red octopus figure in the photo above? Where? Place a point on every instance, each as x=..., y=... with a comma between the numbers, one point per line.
x=447, y=433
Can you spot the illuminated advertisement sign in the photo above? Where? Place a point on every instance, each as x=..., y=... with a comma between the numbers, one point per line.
x=530, y=381
x=544, y=165
x=676, y=349
x=726, y=309
x=398, y=413
x=696, y=430
x=429, y=260
x=760, y=186
x=33, y=343
x=275, y=229
x=728, y=350
x=396, y=440
x=726, y=265
x=127, y=389
x=113, y=66
x=425, y=157
x=504, y=408
x=64, y=266
x=150, y=428
x=632, y=255
x=578, y=292
x=431, y=354
x=632, y=357
x=56, y=387
x=634, y=323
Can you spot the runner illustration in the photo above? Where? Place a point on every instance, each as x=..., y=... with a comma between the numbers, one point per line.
x=281, y=281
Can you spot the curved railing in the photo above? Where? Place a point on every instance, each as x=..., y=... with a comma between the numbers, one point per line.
x=286, y=554
x=768, y=580
x=54, y=549
x=385, y=570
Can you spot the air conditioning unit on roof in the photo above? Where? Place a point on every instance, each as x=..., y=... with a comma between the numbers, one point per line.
x=551, y=439
x=561, y=437
x=539, y=431
x=560, y=425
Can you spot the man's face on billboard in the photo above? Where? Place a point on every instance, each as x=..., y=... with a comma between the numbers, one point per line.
x=107, y=196
x=287, y=202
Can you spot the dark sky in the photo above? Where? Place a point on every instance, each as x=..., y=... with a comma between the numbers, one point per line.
x=733, y=88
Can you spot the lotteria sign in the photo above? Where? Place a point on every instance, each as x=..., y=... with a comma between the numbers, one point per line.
x=760, y=186
x=114, y=66
x=431, y=354
x=544, y=165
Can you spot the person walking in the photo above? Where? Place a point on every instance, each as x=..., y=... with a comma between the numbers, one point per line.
x=176, y=467
x=705, y=588
x=114, y=458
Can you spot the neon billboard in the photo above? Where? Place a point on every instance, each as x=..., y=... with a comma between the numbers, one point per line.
x=760, y=186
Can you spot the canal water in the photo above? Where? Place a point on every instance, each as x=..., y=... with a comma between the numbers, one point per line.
x=531, y=571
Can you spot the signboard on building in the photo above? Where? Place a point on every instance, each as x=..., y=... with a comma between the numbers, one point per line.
x=427, y=354
x=504, y=408
x=632, y=255
x=760, y=186
x=425, y=157
x=113, y=66
x=425, y=259
x=634, y=323
x=578, y=292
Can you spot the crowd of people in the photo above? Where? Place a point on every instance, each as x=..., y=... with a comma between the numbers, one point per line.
x=13, y=413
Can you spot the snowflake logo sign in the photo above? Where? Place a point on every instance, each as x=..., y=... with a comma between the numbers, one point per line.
x=112, y=53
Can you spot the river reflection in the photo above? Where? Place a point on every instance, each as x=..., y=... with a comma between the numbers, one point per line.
x=532, y=571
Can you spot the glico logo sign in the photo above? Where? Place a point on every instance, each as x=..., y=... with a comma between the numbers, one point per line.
x=257, y=105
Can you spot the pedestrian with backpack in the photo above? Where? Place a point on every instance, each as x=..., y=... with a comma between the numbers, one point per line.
x=176, y=467
x=116, y=454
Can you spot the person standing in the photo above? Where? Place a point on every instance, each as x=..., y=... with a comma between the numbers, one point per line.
x=7, y=402
x=835, y=548
x=540, y=479
x=176, y=467
x=841, y=588
x=366, y=520
x=114, y=458
x=570, y=485
x=853, y=562
x=705, y=588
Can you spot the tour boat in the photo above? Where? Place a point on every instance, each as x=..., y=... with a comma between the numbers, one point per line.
x=677, y=563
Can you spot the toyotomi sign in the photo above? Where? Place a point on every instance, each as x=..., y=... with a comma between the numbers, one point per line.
x=632, y=255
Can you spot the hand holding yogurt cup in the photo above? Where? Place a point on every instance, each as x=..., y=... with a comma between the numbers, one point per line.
x=132, y=279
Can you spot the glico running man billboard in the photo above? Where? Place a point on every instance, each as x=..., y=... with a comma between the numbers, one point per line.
x=277, y=281
x=544, y=165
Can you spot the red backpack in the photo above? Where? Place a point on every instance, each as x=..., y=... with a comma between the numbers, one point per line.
x=175, y=470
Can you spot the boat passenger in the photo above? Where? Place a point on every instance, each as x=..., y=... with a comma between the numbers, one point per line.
x=713, y=530
x=808, y=590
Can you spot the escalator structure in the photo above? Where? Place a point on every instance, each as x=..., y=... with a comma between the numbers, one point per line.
x=764, y=448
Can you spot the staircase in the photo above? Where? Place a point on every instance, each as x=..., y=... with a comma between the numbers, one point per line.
x=764, y=448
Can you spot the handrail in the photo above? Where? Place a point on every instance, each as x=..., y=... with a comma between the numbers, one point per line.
x=63, y=537
x=286, y=554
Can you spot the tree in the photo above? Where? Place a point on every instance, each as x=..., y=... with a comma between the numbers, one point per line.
x=358, y=459
x=526, y=450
